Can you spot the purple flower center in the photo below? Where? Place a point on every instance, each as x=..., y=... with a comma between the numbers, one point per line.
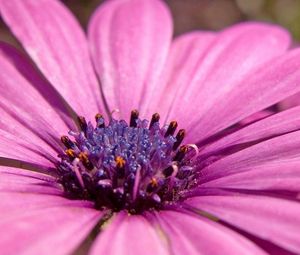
x=137, y=167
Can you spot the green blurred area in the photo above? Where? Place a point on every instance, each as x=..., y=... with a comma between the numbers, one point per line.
x=206, y=14
x=215, y=14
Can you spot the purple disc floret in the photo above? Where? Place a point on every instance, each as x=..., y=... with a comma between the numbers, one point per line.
x=136, y=166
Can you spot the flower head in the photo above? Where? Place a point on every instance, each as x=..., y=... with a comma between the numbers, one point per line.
x=136, y=167
x=176, y=169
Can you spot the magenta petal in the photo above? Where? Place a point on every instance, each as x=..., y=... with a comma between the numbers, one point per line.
x=25, y=181
x=272, y=219
x=280, y=176
x=35, y=216
x=32, y=120
x=290, y=102
x=55, y=230
x=27, y=190
x=186, y=54
x=40, y=97
x=130, y=41
x=26, y=129
x=272, y=126
x=194, y=235
x=256, y=117
x=264, y=175
x=278, y=150
x=16, y=148
x=267, y=85
x=230, y=59
x=57, y=44
x=26, y=174
x=131, y=235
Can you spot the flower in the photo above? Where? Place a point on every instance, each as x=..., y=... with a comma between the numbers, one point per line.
x=124, y=185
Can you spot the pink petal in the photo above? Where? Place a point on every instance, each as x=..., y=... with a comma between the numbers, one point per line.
x=280, y=176
x=272, y=126
x=22, y=151
x=129, y=234
x=130, y=41
x=20, y=82
x=256, y=117
x=272, y=219
x=58, y=229
x=35, y=216
x=55, y=41
x=274, y=151
x=186, y=54
x=230, y=60
x=38, y=90
x=30, y=190
x=195, y=235
x=32, y=120
x=290, y=102
x=25, y=181
x=21, y=173
x=261, y=88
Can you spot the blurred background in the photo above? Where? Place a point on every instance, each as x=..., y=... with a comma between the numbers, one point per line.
x=205, y=14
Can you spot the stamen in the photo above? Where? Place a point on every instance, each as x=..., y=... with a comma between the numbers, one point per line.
x=181, y=153
x=195, y=148
x=83, y=157
x=175, y=168
x=171, y=170
x=77, y=172
x=133, y=118
x=171, y=129
x=179, y=138
x=152, y=185
x=67, y=142
x=132, y=167
x=136, y=182
x=168, y=171
x=155, y=119
x=120, y=166
x=70, y=153
x=99, y=120
x=113, y=112
x=82, y=124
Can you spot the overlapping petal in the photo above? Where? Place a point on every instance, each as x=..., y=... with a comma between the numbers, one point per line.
x=29, y=107
x=57, y=229
x=194, y=235
x=229, y=61
x=56, y=42
x=210, y=82
x=132, y=235
x=16, y=149
x=289, y=102
x=279, y=177
x=130, y=42
x=25, y=181
x=262, y=88
x=37, y=219
x=185, y=56
x=272, y=219
x=275, y=125
x=278, y=150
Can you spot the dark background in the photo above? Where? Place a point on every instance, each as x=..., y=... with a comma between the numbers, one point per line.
x=205, y=14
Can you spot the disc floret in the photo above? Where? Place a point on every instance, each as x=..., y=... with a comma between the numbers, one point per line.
x=135, y=167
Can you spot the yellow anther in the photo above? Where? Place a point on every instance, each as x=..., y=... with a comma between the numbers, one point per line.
x=83, y=157
x=70, y=153
x=183, y=149
x=120, y=162
x=154, y=182
x=98, y=116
